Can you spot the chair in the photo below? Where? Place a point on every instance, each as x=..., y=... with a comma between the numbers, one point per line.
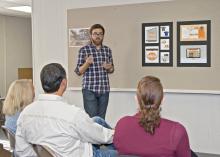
x=3, y=152
x=43, y=151
x=2, y=116
x=10, y=135
x=193, y=154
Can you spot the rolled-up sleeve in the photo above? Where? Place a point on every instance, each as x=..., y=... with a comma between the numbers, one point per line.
x=80, y=61
x=111, y=61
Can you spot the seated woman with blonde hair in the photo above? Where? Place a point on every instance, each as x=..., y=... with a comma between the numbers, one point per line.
x=146, y=134
x=20, y=94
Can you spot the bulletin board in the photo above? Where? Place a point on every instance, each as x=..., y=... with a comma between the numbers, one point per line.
x=123, y=26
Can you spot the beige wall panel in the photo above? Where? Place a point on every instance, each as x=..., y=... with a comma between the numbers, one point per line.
x=123, y=35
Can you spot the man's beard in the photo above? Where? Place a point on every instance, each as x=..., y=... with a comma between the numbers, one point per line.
x=97, y=42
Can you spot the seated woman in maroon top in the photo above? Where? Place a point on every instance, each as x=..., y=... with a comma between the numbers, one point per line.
x=146, y=134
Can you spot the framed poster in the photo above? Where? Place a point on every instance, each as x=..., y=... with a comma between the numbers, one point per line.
x=193, y=43
x=194, y=32
x=78, y=37
x=164, y=44
x=164, y=57
x=157, y=44
x=151, y=54
x=193, y=54
x=151, y=34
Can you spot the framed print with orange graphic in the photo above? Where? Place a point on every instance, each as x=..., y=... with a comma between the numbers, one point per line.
x=152, y=54
x=194, y=43
x=196, y=32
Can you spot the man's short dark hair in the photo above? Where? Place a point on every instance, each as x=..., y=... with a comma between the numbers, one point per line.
x=51, y=77
x=96, y=26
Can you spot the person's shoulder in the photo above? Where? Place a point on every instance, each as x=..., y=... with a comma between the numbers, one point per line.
x=106, y=47
x=175, y=124
x=67, y=107
x=72, y=107
x=177, y=129
x=126, y=119
x=84, y=48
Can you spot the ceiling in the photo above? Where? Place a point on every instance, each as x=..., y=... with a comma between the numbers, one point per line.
x=14, y=3
x=77, y=3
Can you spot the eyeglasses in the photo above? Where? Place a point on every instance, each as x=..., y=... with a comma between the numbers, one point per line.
x=97, y=34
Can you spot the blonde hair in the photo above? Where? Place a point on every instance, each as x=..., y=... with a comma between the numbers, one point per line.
x=20, y=94
x=149, y=95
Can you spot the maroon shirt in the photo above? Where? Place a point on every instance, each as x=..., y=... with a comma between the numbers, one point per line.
x=169, y=140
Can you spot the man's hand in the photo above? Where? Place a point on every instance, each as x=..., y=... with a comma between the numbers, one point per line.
x=89, y=59
x=85, y=66
x=107, y=66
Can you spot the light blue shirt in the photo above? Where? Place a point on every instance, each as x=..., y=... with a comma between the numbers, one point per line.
x=11, y=122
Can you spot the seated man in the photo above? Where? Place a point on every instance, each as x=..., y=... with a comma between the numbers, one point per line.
x=64, y=128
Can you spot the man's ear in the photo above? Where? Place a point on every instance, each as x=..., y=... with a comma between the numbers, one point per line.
x=62, y=87
x=64, y=83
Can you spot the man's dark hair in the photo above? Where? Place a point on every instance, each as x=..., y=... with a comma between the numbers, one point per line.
x=96, y=26
x=51, y=77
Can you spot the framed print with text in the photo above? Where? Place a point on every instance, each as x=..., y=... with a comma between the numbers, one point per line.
x=193, y=43
x=157, y=44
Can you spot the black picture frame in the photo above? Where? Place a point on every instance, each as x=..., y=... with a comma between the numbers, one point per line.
x=194, y=43
x=157, y=44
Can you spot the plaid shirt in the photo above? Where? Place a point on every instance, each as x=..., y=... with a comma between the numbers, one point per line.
x=95, y=77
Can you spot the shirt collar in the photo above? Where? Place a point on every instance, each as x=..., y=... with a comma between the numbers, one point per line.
x=93, y=46
x=50, y=97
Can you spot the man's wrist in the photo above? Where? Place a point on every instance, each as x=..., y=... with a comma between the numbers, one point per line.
x=87, y=63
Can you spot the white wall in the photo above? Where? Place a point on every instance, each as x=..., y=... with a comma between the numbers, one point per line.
x=198, y=112
x=15, y=48
x=2, y=56
x=18, y=46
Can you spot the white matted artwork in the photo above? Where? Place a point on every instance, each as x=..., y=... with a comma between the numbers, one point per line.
x=164, y=31
x=193, y=54
x=152, y=34
x=194, y=32
x=151, y=54
x=164, y=44
x=164, y=57
x=78, y=37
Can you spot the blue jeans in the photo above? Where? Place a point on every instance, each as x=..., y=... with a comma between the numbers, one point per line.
x=108, y=150
x=95, y=104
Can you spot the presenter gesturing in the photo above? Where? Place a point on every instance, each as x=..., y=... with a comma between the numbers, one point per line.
x=95, y=62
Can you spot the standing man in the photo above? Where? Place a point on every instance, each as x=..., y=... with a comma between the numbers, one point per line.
x=95, y=62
